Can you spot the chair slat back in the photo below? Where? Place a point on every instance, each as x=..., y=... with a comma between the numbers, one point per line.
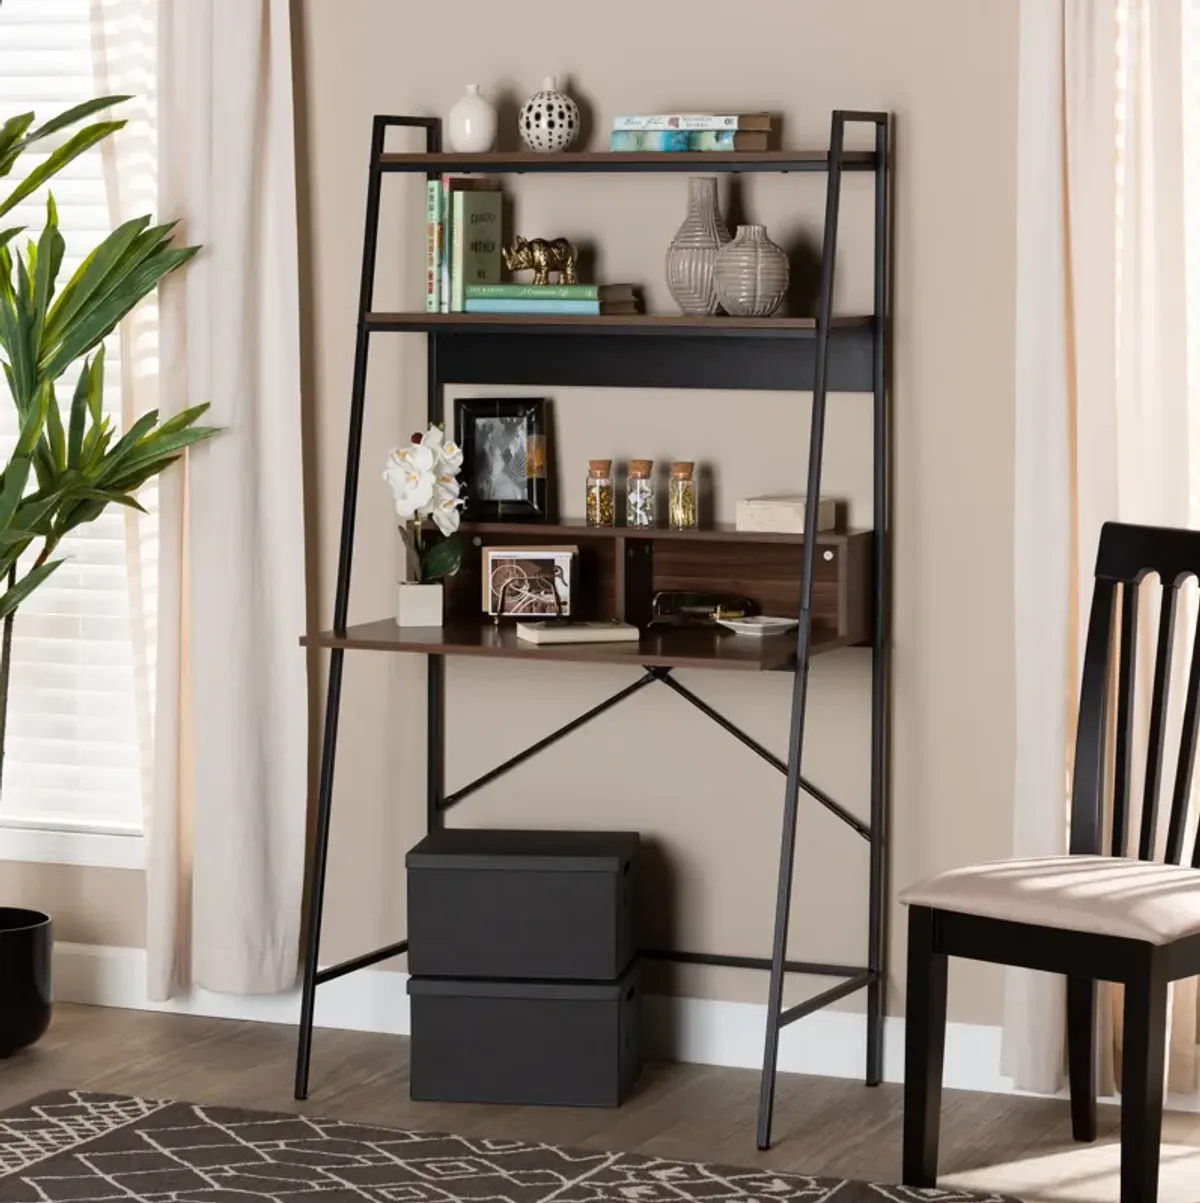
x=1127, y=555
x=1123, y=754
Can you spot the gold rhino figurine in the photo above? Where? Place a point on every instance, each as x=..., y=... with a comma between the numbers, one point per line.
x=542, y=256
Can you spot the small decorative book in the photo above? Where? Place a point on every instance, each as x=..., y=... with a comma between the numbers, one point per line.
x=578, y=632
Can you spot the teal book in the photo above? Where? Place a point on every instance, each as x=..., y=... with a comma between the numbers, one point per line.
x=681, y=140
x=499, y=305
x=548, y=292
x=654, y=139
x=475, y=256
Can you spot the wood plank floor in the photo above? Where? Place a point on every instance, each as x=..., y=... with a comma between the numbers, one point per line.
x=823, y=1125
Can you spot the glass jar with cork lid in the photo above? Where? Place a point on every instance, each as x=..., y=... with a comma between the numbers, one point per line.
x=601, y=494
x=684, y=512
x=639, y=493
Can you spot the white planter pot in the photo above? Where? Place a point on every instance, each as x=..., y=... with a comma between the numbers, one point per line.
x=418, y=605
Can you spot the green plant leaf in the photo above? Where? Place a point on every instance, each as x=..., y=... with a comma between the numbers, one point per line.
x=95, y=392
x=6, y=236
x=16, y=475
x=96, y=324
x=89, y=278
x=76, y=113
x=25, y=586
x=56, y=438
x=11, y=133
x=443, y=559
x=79, y=416
x=70, y=150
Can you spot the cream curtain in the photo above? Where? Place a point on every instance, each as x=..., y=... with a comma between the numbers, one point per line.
x=226, y=818
x=1107, y=414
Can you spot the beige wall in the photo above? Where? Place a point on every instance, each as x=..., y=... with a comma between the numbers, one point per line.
x=948, y=71
x=88, y=906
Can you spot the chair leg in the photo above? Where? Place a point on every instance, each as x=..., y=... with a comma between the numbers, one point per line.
x=924, y=1050
x=1142, y=1073
x=1081, y=1047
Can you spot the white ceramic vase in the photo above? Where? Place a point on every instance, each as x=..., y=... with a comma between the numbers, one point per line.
x=751, y=274
x=693, y=251
x=418, y=605
x=471, y=124
x=549, y=119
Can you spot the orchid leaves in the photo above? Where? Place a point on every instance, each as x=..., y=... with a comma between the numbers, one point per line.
x=67, y=468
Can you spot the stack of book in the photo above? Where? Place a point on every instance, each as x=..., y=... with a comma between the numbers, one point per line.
x=582, y=300
x=464, y=239
x=693, y=131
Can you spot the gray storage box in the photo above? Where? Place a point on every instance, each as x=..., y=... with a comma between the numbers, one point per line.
x=570, y=1044
x=554, y=905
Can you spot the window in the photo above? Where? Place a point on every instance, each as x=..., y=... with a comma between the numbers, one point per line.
x=79, y=709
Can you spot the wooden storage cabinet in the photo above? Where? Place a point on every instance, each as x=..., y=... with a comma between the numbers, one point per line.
x=619, y=570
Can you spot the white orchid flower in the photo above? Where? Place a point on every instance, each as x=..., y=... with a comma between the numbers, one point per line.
x=432, y=439
x=445, y=509
x=416, y=456
x=411, y=480
x=450, y=457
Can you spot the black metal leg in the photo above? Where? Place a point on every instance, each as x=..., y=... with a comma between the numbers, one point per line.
x=924, y=1050
x=1081, y=1058
x=787, y=845
x=877, y=900
x=435, y=741
x=1142, y=1071
x=316, y=877
x=341, y=603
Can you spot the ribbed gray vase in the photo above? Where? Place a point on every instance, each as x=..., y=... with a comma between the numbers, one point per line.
x=693, y=251
x=751, y=274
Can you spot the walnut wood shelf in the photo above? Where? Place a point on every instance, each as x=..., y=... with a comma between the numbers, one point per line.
x=696, y=648
x=628, y=161
x=718, y=534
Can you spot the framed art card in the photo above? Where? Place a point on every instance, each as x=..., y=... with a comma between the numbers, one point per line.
x=504, y=458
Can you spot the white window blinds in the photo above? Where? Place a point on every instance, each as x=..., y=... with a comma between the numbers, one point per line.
x=78, y=709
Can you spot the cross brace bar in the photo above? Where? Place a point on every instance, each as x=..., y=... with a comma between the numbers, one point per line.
x=664, y=675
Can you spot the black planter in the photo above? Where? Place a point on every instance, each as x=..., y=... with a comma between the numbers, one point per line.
x=25, y=945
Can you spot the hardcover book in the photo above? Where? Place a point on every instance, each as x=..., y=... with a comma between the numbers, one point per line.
x=693, y=121
x=476, y=253
x=549, y=292
x=565, y=308
x=679, y=140
x=450, y=185
x=578, y=632
x=433, y=259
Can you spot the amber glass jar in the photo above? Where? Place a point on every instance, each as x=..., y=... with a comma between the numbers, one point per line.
x=682, y=497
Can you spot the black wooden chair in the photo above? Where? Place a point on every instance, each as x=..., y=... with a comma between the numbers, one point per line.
x=1088, y=916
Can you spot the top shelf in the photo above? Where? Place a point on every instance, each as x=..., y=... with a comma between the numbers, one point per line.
x=617, y=161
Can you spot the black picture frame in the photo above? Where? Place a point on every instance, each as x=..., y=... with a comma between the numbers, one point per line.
x=501, y=437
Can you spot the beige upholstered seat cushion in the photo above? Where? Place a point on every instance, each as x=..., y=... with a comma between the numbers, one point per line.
x=1103, y=894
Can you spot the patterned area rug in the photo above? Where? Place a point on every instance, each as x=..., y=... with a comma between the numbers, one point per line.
x=75, y=1147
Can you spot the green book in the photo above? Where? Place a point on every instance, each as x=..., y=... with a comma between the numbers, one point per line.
x=548, y=292
x=475, y=255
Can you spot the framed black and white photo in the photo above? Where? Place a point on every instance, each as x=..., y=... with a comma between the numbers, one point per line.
x=504, y=458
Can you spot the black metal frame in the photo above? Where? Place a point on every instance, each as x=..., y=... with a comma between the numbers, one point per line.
x=850, y=359
x=1126, y=556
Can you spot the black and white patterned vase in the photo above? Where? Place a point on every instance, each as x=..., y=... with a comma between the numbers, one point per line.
x=549, y=119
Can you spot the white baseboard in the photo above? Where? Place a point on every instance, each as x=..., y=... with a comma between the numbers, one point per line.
x=700, y=1030
x=704, y=1031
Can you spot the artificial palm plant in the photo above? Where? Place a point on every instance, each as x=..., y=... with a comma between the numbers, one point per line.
x=69, y=464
